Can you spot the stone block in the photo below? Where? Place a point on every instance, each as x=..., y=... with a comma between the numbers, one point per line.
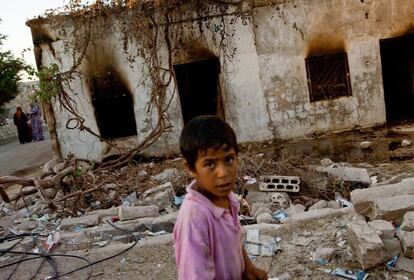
x=164, y=222
x=324, y=253
x=136, y=212
x=105, y=213
x=265, y=218
x=86, y=221
x=319, y=214
x=295, y=209
x=362, y=199
x=348, y=174
x=408, y=221
x=319, y=205
x=366, y=245
x=392, y=208
x=407, y=242
x=384, y=229
x=392, y=247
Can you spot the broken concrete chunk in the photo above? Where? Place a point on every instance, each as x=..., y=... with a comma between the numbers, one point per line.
x=265, y=218
x=161, y=195
x=319, y=214
x=392, y=208
x=362, y=199
x=319, y=205
x=392, y=247
x=405, y=264
x=365, y=145
x=407, y=242
x=165, y=222
x=105, y=213
x=366, y=245
x=405, y=143
x=384, y=229
x=295, y=209
x=160, y=188
x=349, y=174
x=408, y=221
x=166, y=174
x=86, y=221
x=326, y=162
x=324, y=253
x=131, y=213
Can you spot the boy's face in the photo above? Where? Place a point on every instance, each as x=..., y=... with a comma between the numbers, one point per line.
x=215, y=171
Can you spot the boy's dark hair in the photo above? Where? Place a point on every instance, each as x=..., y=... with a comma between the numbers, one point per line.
x=203, y=133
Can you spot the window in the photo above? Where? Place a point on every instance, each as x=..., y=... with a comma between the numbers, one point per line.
x=328, y=77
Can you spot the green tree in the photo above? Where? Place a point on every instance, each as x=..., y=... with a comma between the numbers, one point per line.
x=10, y=69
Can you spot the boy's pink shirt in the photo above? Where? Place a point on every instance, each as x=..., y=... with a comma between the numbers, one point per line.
x=207, y=239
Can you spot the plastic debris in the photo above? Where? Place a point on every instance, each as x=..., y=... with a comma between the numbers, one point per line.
x=280, y=216
x=130, y=199
x=53, y=239
x=178, y=200
x=321, y=261
x=78, y=228
x=342, y=201
x=391, y=264
x=355, y=274
x=261, y=245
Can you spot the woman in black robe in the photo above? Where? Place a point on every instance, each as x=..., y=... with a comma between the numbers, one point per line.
x=20, y=121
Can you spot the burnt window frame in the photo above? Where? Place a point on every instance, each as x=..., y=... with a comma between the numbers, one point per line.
x=314, y=97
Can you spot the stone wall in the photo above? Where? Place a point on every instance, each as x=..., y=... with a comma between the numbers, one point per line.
x=8, y=133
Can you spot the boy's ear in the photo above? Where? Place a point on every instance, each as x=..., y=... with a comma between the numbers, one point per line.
x=188, y=169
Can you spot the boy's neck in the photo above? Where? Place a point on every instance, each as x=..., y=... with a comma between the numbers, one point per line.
x=222, y=202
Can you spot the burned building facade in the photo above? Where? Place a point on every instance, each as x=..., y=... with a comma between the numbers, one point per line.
x=273, y=69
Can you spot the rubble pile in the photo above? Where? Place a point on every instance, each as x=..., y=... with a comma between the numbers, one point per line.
x=302, y=217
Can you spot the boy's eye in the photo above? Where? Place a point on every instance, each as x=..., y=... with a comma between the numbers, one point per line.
x=230, y=159
x=209, y=164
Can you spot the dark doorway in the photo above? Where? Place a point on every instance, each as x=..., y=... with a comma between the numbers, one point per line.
x=199, y=88
x=397, y=59
x=113, y=106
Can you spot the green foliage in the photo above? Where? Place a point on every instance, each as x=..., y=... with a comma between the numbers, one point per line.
x=49, y=85
x=10, y=68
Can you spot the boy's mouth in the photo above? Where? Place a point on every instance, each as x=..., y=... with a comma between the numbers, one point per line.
x=224, y=187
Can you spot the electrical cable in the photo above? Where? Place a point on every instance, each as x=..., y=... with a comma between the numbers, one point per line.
x=50, y=257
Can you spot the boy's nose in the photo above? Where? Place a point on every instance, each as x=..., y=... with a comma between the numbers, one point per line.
x=221, y=171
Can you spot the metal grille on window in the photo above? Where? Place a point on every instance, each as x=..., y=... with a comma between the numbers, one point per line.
x=328, y=77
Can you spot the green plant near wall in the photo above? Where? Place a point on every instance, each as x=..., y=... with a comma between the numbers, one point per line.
x=49, y=84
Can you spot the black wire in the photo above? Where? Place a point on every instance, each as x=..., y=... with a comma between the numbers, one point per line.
x=51, y=261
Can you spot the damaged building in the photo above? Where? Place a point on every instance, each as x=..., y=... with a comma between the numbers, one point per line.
x=272, y=69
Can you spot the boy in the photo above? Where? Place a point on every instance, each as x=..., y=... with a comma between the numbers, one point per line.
x=207, y=234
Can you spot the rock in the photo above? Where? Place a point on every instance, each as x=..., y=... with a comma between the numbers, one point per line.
x=366, y=245
x=392, y=208
x=326, y=162
x=324, y=253
x=257, y=197
x=265, y=218
x=406, y=143
x=407, y=242
x=105, y=213
x=365, y=145
x=348, y=174
x=266, y=229
x=358, y=217
x=392, y=247
x=384, y=229
x=408, y=222
x=279, y=200
x=362, y=199
x=166, y=175
x=47, y=167
x=165, y=222
x=318, y=214
x=295, y=209
x=86, y=221
x=161, y=196
x=334, y=204
x=260, y=211
x=319, y=205
x=110, y=186
x=405, y=264
x=59, y=167
x=135, y=212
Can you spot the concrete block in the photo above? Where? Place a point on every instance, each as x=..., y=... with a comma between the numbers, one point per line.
x=392, y=247
x=274, y=183
x=392, y=208
x=348, y=174
x=362, y=199
x=295, y=209
x=408, y=222
x=319, y=205
x=265, y=218
x=105, y=213
x=407, y=242
x=164, y=222
x=136, y=212
x=86, y=221
x=384, y=229
x=366, y=245
x=319, y=214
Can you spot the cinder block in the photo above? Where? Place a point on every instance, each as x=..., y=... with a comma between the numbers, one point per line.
x=272, y=183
